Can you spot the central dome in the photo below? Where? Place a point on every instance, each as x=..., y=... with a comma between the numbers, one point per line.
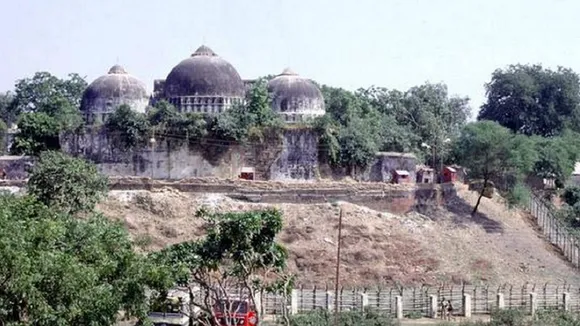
x=204, y=74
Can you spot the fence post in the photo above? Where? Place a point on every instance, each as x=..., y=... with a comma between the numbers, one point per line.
x=364, y=300
x=294, y=296
x=399, y=306
x=258, y=302
x=566, y=301
x=329, y=297
x=500, y=301
x=466, y=305
x=533, y=303
x=433, y=305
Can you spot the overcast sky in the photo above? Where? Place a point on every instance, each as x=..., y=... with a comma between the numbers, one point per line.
x=350, y=44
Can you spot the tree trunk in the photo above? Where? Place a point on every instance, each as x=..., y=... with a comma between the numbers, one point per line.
x=480, y=195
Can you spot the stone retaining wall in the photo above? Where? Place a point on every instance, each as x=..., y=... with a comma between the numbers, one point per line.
x=398, y=199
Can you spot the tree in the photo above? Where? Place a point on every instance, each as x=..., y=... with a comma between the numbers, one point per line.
x=238, y=255
x=533, y=100
x=484, y=149
x=3, y=131
x=126, y=128
x=557, y=157
x=168, y=123
x=422, y=114
x=571, y=195
x=65, y=183
x=6, y=99
x=39, y=93
x=59, y=270
x=250, y=121
x=358, y=146
x=38, y=132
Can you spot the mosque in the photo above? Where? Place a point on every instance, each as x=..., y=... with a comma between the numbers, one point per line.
x=208, y=84
x=203, y=83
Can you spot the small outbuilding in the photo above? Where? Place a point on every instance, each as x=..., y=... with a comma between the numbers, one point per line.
x=448, y=174
x=247, y=173
x=425, y=175
x=401, y=177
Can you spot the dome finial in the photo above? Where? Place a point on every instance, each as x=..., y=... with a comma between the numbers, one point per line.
x=204, y=51
x=117, y=69
x=288, y=72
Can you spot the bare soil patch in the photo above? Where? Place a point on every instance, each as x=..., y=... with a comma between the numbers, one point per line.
x=449, y=246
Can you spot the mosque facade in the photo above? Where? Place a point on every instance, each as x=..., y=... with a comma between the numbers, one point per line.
x=203, y=83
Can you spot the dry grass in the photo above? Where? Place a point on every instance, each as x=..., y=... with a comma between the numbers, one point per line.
x=498, y=246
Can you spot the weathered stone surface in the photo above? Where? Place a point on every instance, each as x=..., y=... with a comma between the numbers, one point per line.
x=295, y=159
x=16, y=167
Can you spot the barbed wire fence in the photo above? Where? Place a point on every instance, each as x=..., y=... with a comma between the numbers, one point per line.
x=554, y=229
x=417, y=301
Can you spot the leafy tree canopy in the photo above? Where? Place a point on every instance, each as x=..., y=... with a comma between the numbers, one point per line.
x=169, y=123
x=238, y=253
x=533, y=100
x=6, y=99
x=38, y=132
x=377, y=119
x=557, y=157
x=250, y=121
x=65, y=183
x=127, y=128
x=484, y=149
x=57, y=270
x=47, y=93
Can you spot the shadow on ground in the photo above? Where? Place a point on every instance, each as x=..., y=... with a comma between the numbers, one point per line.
x=460, y=214
x=461, y=211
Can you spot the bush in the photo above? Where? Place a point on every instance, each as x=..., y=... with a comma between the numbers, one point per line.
x=348, y=318
x=556, y=318
x=508, y=317
x=519, y=195
x=69, y=184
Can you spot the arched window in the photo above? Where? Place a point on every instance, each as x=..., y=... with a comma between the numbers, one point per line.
x=284, y=105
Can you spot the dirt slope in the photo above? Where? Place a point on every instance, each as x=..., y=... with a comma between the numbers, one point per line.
x=497, y=246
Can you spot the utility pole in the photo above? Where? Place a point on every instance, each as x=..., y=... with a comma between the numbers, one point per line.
x=336, y=284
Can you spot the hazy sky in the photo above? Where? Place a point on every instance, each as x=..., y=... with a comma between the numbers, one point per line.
x=351, y=44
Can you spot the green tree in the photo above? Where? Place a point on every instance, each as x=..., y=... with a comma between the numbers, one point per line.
x=556, y=157
x=358, y=145
x=250, y=121
x=422, y=114
x=59, y=270
x=484, y=149
x=38, y=132
x=43, y=105
x=571, y=195
x=168, y=123
x=39, y=93
x=6, y=99
x=3, y=131
x=532, y=100
x=126, y=128
x=65, y=183
x=239, y=253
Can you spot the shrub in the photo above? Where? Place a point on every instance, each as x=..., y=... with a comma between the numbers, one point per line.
x=347, y=318
x=508, y=317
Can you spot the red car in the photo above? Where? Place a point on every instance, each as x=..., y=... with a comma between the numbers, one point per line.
x=235, y=312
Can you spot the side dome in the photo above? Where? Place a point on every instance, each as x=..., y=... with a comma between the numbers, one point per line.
x=106, y=93
x=204, y=74
x=294, y=97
